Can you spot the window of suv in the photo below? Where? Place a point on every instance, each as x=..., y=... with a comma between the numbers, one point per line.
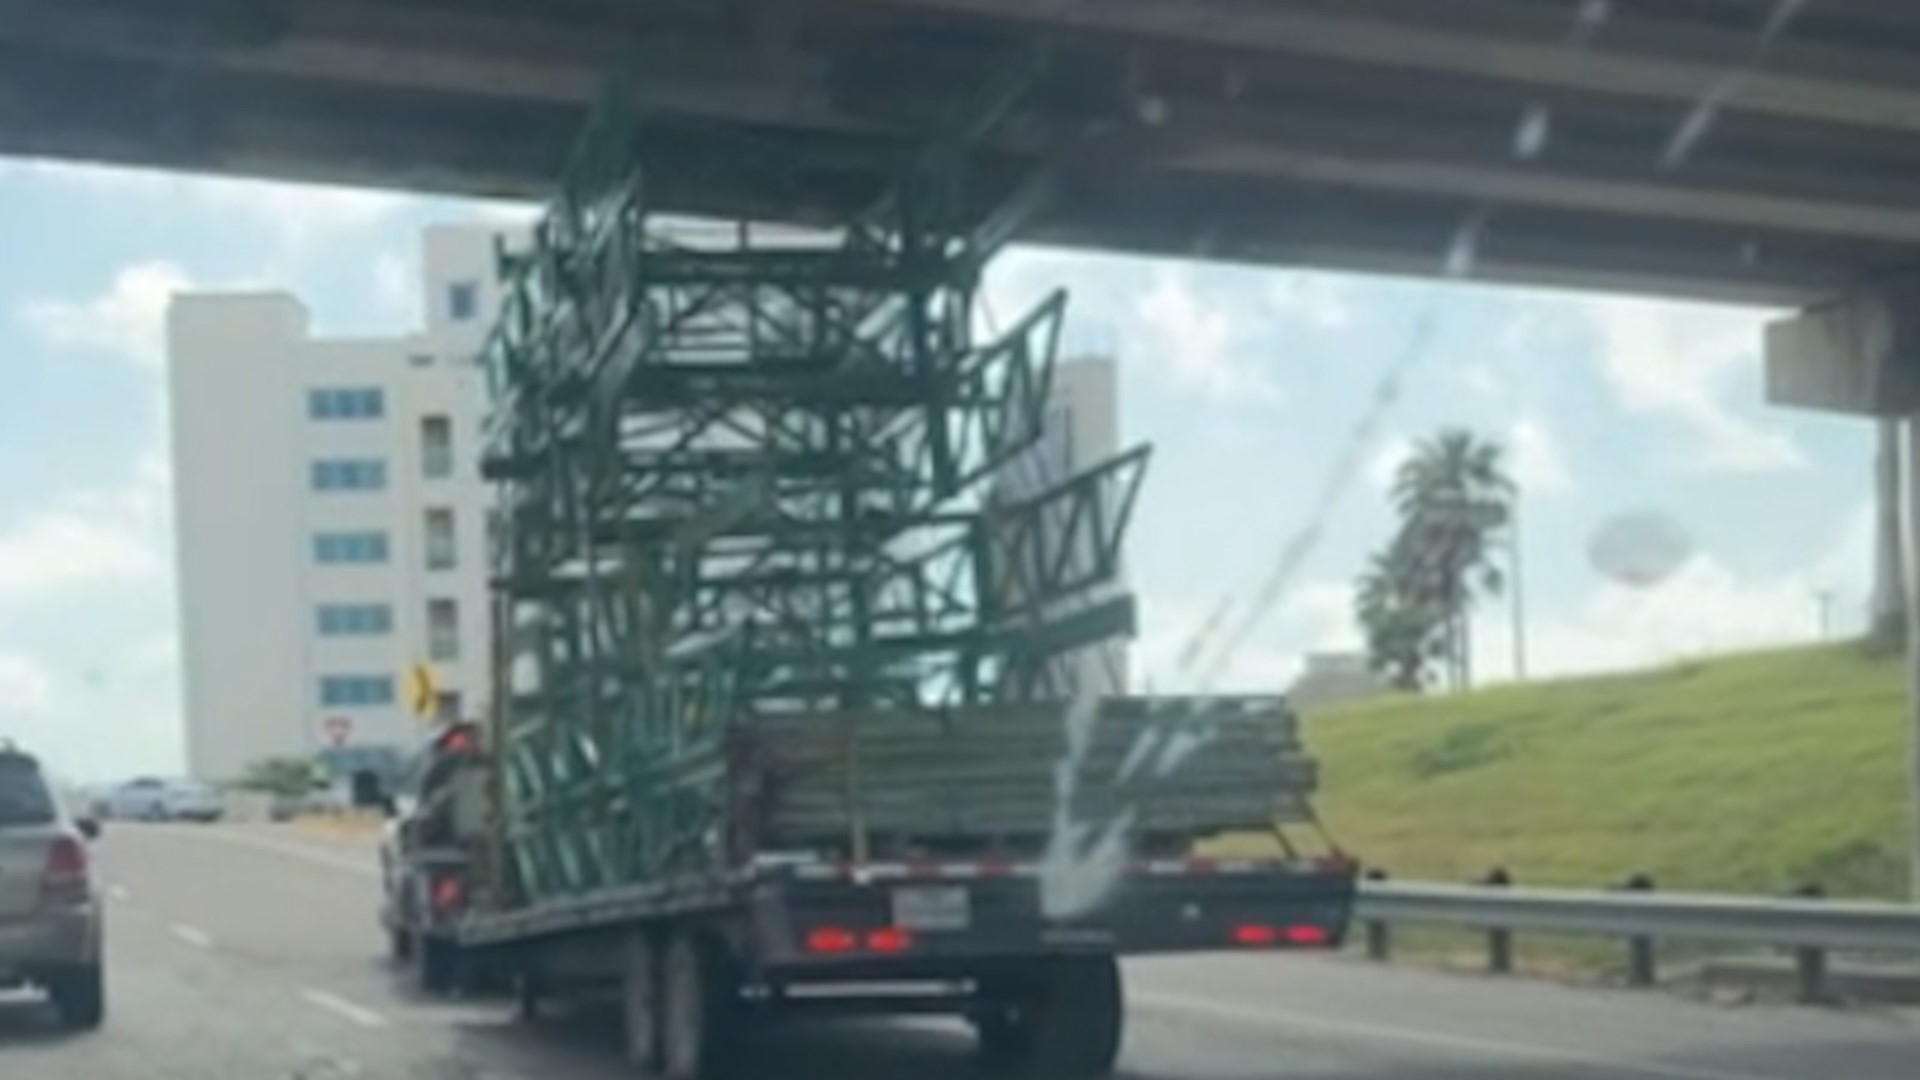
x=24, y=796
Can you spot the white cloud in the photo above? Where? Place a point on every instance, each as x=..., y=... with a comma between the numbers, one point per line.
x=26, y=691
x=1315, y=616
x=1479, y=380
x=110, y=536
x=1318, y=300
x=1675, y=360
x=1195, y=340
x=396, y=286
x=160, y=653
x=1535, y=459
x=298, y=214
x=1705, y=607
x=127, y=321
x=85, y=584
x=1387, y=457
x=505, y=212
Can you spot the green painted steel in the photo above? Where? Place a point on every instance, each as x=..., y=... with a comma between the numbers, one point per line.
x=750, y=472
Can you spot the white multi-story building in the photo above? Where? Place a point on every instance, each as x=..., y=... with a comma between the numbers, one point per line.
x=1082, y=429
x=330, y=518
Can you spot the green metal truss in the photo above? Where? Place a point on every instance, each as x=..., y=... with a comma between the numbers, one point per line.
x=755, y=473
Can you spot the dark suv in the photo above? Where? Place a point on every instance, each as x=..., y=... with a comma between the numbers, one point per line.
x=49, y=915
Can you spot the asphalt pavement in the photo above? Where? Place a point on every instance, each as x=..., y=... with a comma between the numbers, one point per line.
x=251, y=953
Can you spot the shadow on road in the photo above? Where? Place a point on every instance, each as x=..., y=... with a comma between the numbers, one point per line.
x=584, y=1044
x=25, y=1019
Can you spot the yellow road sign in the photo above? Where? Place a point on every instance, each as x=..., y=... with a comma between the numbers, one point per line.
x=421, y=695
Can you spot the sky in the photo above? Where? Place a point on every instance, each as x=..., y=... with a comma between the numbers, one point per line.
x=1250, y=384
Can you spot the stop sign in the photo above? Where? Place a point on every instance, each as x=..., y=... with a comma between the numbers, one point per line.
x=337, y=729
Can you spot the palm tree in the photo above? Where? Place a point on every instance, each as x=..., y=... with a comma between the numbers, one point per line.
x=1398, y=632
x=1454, y=498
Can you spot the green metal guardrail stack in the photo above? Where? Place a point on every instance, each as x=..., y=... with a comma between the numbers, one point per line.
x=752, y=479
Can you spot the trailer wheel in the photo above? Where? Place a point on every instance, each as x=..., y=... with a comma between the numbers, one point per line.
x=1077, y=1017
x=526, y=997
x=698, y=1011
x=1005, y=1037
x=640, y=998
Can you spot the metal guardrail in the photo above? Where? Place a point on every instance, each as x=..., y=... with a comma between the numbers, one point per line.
x=1806, y=924
x=1820, y=924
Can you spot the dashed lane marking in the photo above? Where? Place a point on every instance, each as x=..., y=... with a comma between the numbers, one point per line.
x=341, y=1007
x=292, y=851
x=192, y=935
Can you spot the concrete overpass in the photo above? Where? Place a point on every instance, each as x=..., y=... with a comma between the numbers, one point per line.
x=1341, y=133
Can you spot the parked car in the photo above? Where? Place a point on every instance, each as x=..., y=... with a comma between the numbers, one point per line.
x=153, y=799
x=50, y=925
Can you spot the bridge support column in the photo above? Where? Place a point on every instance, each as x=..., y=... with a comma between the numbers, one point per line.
x=1909, y=510
x=1860, y=354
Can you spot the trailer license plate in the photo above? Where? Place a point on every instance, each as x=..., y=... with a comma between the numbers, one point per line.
x=932, y=907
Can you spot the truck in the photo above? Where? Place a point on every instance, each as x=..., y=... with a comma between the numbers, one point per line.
x=795, y=704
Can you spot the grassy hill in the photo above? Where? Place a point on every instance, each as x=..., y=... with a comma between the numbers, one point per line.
x=1751, y=773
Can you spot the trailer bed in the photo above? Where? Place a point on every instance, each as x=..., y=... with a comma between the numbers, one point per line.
x=821, y=916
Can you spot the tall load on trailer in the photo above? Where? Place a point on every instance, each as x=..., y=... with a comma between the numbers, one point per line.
x=754, y=587
x=779, y=661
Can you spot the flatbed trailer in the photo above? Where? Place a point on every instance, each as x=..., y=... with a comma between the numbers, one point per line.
x=797, y=608
x=1025, y=951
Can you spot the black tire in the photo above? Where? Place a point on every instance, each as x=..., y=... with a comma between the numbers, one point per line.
x=438, y=964
x=79, y=995
x=1078, y=1013
x=1005, y=1038
x=527, y=997
x=699, y=1010
x=400, y=944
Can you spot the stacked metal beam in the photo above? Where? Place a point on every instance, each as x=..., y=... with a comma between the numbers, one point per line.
x=748, y=480
x=1000, y=779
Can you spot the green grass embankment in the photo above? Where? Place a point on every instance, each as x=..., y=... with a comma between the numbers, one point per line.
x=1755, y=773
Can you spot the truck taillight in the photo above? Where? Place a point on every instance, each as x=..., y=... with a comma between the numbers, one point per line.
x=65, y=878
x=460, y=740
x=447, y=894
x=836, y=939
x=1261, y=935
x=831, y=939
x=1254, y=935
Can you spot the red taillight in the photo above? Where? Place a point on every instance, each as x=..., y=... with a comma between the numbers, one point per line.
x=1308, y=934
x=65, y=876
x=889, y=939
x=448, y=894
x=831, y=939
x=458, y=741
x=1255, y=934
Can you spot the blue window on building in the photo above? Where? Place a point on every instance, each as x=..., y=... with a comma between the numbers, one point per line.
x=463, y=301
x=354, y=620
x=348, y=474
x=350, y=547
x=347, y=403
x=344, y=690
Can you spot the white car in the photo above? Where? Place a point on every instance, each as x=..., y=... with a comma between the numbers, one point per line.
x=152, y=799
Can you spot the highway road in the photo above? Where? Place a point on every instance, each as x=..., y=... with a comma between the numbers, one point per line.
x=250, y=953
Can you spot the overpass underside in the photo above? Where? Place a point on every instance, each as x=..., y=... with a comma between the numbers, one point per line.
x=1675, y=146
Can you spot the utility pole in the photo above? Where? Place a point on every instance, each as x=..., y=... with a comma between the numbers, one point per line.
x=1519, y=594
x=1909, y=507
x=1889, y=575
